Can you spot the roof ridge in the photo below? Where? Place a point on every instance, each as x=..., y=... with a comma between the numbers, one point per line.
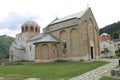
x=75, y=15
x=48, y=38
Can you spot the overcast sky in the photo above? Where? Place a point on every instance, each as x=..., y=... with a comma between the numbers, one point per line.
x=13, y=13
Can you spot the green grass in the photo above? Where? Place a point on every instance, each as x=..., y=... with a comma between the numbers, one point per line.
x=108, y=78
x=114, y=57
x=48, y=71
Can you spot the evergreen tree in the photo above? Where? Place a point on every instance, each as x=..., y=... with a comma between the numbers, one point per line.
x=115, y=35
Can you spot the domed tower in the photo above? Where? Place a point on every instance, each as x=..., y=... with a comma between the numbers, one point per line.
x=30, y=27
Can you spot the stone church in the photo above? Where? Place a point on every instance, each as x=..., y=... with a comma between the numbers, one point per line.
x=72, y=38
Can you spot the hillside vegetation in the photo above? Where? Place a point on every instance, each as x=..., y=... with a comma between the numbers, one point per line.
x=5, y=42
x=111, y=29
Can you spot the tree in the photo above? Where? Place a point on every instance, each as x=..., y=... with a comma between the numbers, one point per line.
x=115, y=36
x=117, y=52
x=105, y=52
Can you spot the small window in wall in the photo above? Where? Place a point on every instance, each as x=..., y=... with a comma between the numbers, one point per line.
x=31, y=28
x=26, y=29
x=35, y=29
x=22, y=29
x=30, y=48
x=64, y=45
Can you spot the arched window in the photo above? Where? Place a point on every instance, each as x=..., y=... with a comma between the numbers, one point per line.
x=23, y=29
x=35, y=29
x=31, y=28
x=30, y=48
x=26, y=29
x=64, y=45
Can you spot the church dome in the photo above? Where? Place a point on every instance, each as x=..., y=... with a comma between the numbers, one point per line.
x=30, y=25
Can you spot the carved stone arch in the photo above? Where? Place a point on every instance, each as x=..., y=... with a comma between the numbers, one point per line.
x=84, y=25
x=74, y=36
x=85, y=21
x=84, y=29
x=45, y=51
x=74, y=29
x=91, y=28
x=63, y=35
x=54, y=51
x=91, y=21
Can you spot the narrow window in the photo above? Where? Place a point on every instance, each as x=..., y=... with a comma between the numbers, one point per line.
x=30, y=48
x=31, y=28
x=26, y=29
x=64, y=45
x=23, y=29
x=35, y=29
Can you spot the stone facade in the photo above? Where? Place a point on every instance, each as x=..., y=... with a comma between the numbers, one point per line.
x=75, y=38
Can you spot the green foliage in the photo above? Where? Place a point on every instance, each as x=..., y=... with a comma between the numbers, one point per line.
x=5, y=42
x=105, y=51
x=110, y=29
x=48, y=71
x=115, y=36
x=117, y=52
x=108, y=78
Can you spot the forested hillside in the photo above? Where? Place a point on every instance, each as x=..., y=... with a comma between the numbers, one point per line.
x=5, y=42
x=111, y=29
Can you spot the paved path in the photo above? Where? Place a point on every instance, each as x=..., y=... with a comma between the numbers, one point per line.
x=97, y=73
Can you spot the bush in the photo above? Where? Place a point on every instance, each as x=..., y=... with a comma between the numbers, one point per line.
x=12, y=63
x=117, y=52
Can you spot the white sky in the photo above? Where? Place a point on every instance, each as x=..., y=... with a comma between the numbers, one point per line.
x=13, y=13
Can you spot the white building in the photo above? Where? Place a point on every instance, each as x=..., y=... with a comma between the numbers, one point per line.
x=107, y=43
x=22, y=48
x=74, y=37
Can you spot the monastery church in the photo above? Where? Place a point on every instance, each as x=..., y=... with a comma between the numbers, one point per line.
x=72, y=38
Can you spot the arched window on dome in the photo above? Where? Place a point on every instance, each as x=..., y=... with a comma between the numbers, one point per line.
x=31, y=28
x=26, y=28
x=23, y=29
x=36, y=29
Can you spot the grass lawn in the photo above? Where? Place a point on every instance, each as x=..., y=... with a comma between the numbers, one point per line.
x=114, y=57
x=108, y=78
x=48, y=71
